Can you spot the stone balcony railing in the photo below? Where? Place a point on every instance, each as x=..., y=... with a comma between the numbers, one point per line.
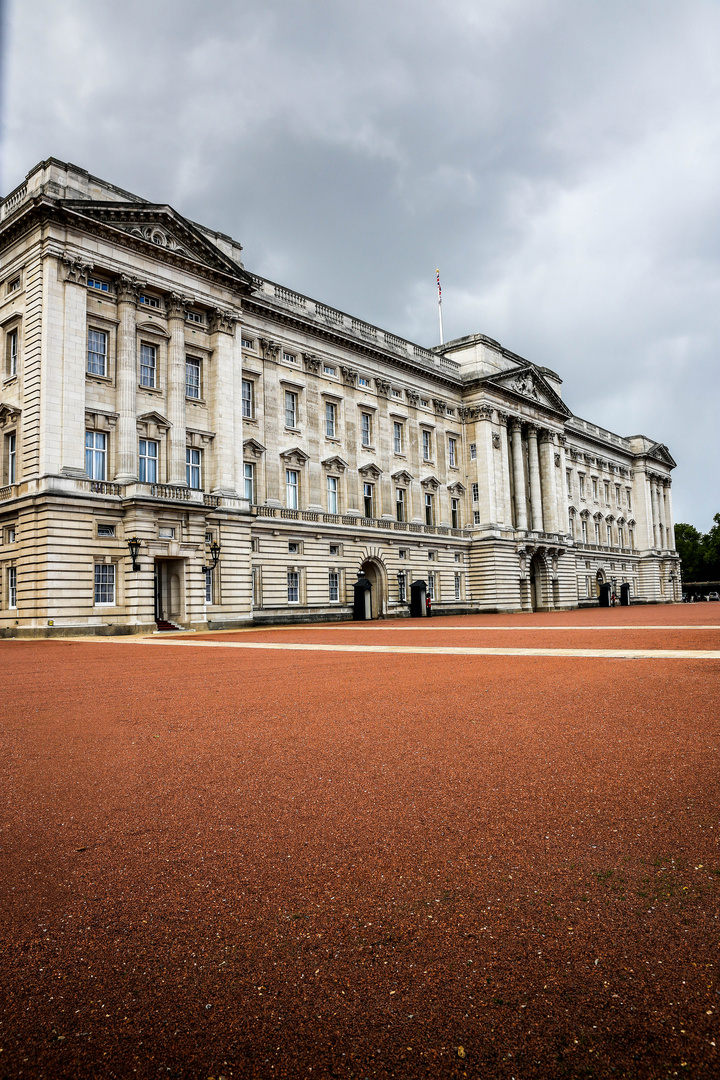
x=386, y=524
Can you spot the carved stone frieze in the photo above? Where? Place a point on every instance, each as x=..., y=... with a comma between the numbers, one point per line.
x=383, y=387
x=270, y=349
x=223, y=321
x=412, y=397
x=440, y=406
x=75, y=271
x=312, y=362
x=349, y=376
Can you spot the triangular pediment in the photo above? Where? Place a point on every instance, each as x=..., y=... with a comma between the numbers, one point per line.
x=457, y=488
x=431, y=482
x=402, y=477
x=295, y=455
x=252, y=446
x=371, y=469
x=528, y=384
x=335, y=462
x=155, y=418
x=161, y=228
x=660, y=452
x=8, y=413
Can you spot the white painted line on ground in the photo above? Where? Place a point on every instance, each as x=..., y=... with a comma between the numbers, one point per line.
x=449, y=650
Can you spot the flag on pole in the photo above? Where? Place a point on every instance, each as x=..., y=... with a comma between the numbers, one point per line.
x=437, y=272
x=439, y=289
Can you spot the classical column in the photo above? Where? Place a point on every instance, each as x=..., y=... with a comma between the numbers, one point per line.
x=502, y=488
x=485, y=465
x=669, y=519
x=548, y=478
x=655, y=513
x=561, y=488
x=176, y=472
x=222, y=400
x=127, y=379
x=535, y=487
x=518, y=475
x=71, y=428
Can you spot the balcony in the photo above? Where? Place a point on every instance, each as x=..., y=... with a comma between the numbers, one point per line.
x=385, y=524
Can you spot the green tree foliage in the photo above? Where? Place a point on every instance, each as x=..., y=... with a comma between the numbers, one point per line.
x=699, y=552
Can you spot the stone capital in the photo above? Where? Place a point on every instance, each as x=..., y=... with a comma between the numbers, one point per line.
x=177, y=305
x=222, y=321
x=312, y=362
x=349, y=375
x=128, y=289
x=75, y=271
x=383, y=387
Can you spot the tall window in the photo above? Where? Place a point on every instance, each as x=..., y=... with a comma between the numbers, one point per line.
x=148, y=461
x=208, y=585
x=330, y=416
x=457, y=586
x=571, y=524
x=431, y=585
x=568, y=481
x=631, y=539
x=11, y=458
x=333, y=586
x=97, y=352
x=629, y=498
x=455, y=513
x=192, y=377
x=292, y=482
x=452, y=453
x=397, y=437
x=617, y=495
x=247, y=399
x=402, y=586
x=427, y=446
x=12, y=353
x=473, y=451
x=332, y=494
x=583, y=526
x=96, y=454
x=581, y=481
x=368, y=500
x=608, y=530
x=12, y=586
x=476, y=493
x=597, y=533
x=400, y=503
x=192, y=468
x=620, y=536
x=594, y=489
x=429, y=508
x=249, y=481
x=104, y=583
x=366, y=428
x=293, y=587
x=606, y=485
x=291, y=402
x=148, y=365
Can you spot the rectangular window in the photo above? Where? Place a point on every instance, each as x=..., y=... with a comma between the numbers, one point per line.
x=12, y=353
x=597, y=533
x=97, y=352
x=248, y=343
x=294, y=547
x=425, y=403
x=606, y=485
x=13, y=285
x=362, y=381
x=431, y=586
x=247, y=399
x=208, y=585
x=192, y=468
x=292, y=480
x=427, y=446
x=594, y=489
x=332, y=495
x=368, y=500
x=400, y=503
x=291, y=402
x=293, y=587
x=629, y=498
x=452, y=453
x=96, y=283
x=620, y=536
x=396, y=393
x=571, y=524
x=330, y=420
x=148, y=365
x=476, y=517
x=581, y=481
x=476, y=493
x=429, y=508
x=617, y=495
x=333, y=586
x=104, y=583
x=397, y=437
x=148, y=462
x=12, y=586
x=334, y=549
x=150, y=301
x=608, y=534
x=328, y=369
x=473, y=451
x=402, y=553
x=583, y=526
x=166, y=532
x=366, y=428
x=195, y=317
x=455, y=513
x=106, y=530
x=11, y=458
x=249, y=481
x=96, y=454
x=402, y=586
x=432, y=555
x=457, y=586
x=192, y=377
x=289, y=358
x=631, y=539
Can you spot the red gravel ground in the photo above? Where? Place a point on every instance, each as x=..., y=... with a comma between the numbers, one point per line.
x=219, y=863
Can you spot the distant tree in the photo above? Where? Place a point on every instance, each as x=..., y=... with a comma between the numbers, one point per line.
x=699, y=552
x=711, y=551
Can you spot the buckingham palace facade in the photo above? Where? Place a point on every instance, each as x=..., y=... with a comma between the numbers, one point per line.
x=186, y=443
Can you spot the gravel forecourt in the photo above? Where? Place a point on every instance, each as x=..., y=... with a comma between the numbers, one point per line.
x=223, y=861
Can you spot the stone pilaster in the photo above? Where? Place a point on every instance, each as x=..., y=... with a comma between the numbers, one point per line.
x=127, y=379
x=72, y=421
x=669, y=520
x=535, y=485
x=561, y=488
x=176, y=472
x=521, y=521
x=222, y=399
x=503, y=488
x=548, y=477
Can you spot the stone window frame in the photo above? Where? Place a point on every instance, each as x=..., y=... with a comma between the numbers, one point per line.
x=153, y=427
x=12, y=327
x=99, y=420
x=298, y=389
x=159, y=338
x=195, y=358
x=103, y=560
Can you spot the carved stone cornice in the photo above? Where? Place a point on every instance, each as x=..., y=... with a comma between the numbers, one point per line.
x=222, y=321
x=312, y=362
x=371, y=469
x=503, y=417
x=440, y=406
x=562, y=440
x=349, y=375
x=382, y=387
x=128, y=289
x=431, y=482
x=270, y=349
x=294, y=456
x=75, y=271
x=412, y=398
x=457, y=488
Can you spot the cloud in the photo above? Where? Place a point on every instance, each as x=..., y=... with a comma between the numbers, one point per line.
x=558, y=161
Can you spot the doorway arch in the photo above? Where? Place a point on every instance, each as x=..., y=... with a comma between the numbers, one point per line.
x=374, y=571
x=539, y=599
x=600, y=579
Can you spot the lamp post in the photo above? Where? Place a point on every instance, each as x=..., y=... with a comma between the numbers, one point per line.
x=134, y=544
x=214, y=555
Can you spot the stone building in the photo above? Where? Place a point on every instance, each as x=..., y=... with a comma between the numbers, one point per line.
x=156, y=391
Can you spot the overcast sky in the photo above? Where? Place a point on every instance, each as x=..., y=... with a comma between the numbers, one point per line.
x=559, y=160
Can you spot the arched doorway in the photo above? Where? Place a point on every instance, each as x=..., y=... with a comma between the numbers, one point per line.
x=375, y=573
x=538, y=575
x=599, y=580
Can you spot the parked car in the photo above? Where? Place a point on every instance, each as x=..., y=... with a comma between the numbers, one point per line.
x=713, y=596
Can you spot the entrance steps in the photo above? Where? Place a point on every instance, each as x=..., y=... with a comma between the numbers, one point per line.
x=164, y=626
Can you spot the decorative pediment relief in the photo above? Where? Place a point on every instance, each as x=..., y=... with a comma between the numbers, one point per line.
x=349, y=375
x=402, y=477
x=530, y=385
x=97, y=420
x=9, y=414
x=572, y=509
x=598, y=516
x=75, y=270
x=152, y=424
x=294, y=456
x=335, y=463
x=431, y=482
x=457, y=488
x=585, y=514
x=371, y=469
x=253, y=448
x=152, y=328
x=196, y=438
x=660, y=452
x=160, y=228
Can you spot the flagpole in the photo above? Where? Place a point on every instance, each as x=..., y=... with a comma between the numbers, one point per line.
x=440, y=306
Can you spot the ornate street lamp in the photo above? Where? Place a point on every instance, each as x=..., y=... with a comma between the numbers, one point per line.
x=134, y=544
x=214, y=554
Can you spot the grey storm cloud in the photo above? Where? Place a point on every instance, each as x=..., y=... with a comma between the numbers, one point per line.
x=559, y=161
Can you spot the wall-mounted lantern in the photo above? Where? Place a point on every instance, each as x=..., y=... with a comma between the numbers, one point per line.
x=134, y=544
x=214, y=554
